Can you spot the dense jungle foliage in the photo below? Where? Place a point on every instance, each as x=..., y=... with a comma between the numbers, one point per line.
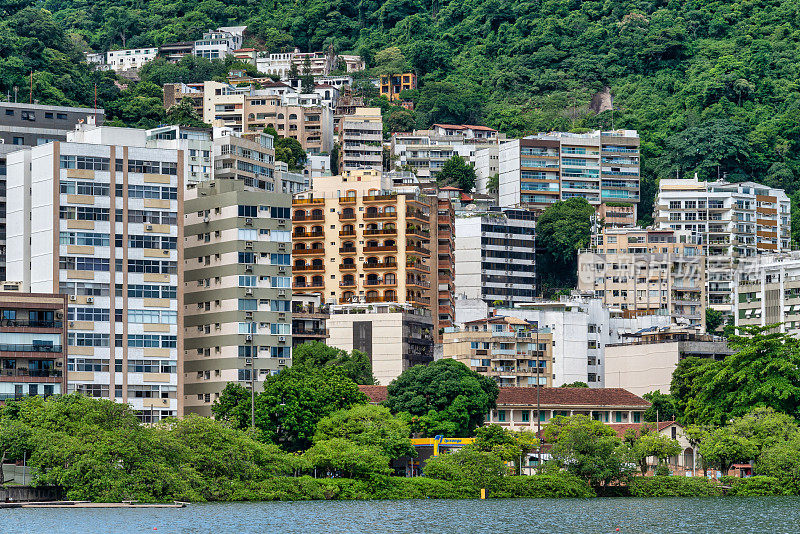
x=710, y=85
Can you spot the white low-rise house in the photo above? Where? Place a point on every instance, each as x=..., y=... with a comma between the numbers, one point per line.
x=134, y=58
x=219, y=43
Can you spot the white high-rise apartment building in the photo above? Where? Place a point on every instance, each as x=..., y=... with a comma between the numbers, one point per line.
x=98, y=218
x=733, y=222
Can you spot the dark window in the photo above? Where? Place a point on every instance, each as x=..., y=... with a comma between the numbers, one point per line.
x=61, y=116
x=48, y=114
x=10, y=112
x=18, y=141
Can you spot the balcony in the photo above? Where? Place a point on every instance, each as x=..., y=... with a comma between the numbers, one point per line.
x=422, y=284
x=31, y=348
x=18, y=323
x=309, y=235
x=307, y=286
x=302, y=218
x=347, y=233
x=425, y=301
x=380, y=198
x=347, y=250
x=418, y=249
x=377, y=283
x=347, y=200
x=347, y=217
x=308, y=268
x=413, y=231
x=27, y=375
x=381, y=265
x=392, y=215
x=381, y=248
x=319, y=332
x=306, y=201
x=301, y=251
x=347, y=283
x=381, y=231
x=347, y=266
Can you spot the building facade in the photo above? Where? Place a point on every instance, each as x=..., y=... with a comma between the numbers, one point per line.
x=539, y=170
x=733, y=222
x=495, y=257
x=97, y=218
x=394, y=336
x=391, y=85
x=647, y=272
x=309, y=319
x=767, y=292
x=238, y=325
x=513, y=352
x=644, y=361
x=33, y=344
x=134, y=58
x=426, y=151
x=361, y=140
x=36, y=124
x=356, y=241
x=219, y=43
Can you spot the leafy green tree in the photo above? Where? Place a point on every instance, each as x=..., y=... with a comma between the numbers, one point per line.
x=293, y=402
x=352, y=460
x=764, y=371
x=650, y=443
x=184, y=114
x=477, y=468
x=494, y=184
x=233, y=406
x=288, y=150
x=562, y=229
x=586, y=448
x=368, y=426
x=782, y=461
x=765, y=427
x=713, y=319
x=14, y=443
x=443, y=398
x=662, y=407
x=356, y=365
x=307, y=79
x=509, y=445
x=400, y=120
x=448, y=103
x=722, y=447
x=390, y=61
x=457, y=172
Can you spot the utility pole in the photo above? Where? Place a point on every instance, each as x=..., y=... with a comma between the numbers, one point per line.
x=538, y=407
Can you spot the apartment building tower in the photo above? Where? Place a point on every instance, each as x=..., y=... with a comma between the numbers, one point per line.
x=237, y=297
x=600, y=166
x=767, y=292
x=97, y=218
x=643, y=271
x=33, y=343
x=361, y=140
x=512, y=351
x=733, y=222
x=495, y=256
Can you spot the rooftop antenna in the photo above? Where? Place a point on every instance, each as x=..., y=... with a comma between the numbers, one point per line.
x=30, y=99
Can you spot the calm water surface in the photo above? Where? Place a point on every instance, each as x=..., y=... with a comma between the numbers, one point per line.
x=780, y=515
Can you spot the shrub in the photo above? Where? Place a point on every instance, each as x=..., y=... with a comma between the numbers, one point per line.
x=756, y=486
x=673, y=486
x=545, y=486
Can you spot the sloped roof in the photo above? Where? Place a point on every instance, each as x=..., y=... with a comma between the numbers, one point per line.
x=621, y=428
x=589, y=397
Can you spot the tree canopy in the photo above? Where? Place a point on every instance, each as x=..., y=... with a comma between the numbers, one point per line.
x=458, y=173
x=355, y=364
x=562, y=229
x=443, y=398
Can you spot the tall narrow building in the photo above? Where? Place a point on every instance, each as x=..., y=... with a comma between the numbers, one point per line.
x=238, y=325
x=97, y=218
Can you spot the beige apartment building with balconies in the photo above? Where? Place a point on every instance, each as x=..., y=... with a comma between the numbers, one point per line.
x=646, y=272
x=512, y=351
x=733, y=222
x=361, y=140
x=357, y=241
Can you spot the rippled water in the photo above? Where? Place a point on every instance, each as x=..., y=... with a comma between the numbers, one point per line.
x=779, y=515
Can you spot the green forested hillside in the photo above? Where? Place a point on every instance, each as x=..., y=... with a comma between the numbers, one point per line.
x=711, y=85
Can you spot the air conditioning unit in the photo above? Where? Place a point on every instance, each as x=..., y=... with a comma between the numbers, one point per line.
x=166, y=252
x=248, y=361
x=281, y=362
x=249, y=337
x=281, y=221
x=89, y=300
x=248, y=244
x=206, y=219
x=281, y=269
x=73, y=298
x=281, y=339
x=248, y=222
x=249, y=267
x=281, y=246
x=148, y=227
x=71, y=324
x=248, y=291
x=281, y=292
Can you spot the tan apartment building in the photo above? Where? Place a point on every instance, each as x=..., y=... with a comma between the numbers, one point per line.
x=512, y=351
x=361, y=140
x=394, y=336
x=646, y=272
x=309, y=319
x=247, y=109
x=644, y=361
x=733, y=222
x=237, y=296
x=33, y=343
x=355, y=241
x=446, y=264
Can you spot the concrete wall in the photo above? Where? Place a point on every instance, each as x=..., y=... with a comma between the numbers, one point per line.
x=641, y=368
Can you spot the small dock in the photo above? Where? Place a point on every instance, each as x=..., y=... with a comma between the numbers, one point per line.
x=87, y=504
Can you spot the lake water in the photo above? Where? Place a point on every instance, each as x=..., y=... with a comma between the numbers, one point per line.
x=778, y=515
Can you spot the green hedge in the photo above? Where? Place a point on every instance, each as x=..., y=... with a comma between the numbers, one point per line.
x=755, y=486
x=673, y=486
x=545, y=486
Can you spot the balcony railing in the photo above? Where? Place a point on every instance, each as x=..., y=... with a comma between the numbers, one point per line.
x=380, y=283
x=347, y=266
x=320, y=250
x=298, y=268
x=308, y=235
x=381, y=248
x=300, y=218
x=381, y=231
x=299, y=201
x=30, y=348
x=49, y=373
x=381, y=265
x=31, y=324
x=347, y=250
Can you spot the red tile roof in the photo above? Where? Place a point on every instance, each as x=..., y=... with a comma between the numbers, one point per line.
x=621, y=428
x=376, y=394
x=474, y=127
x=589, y=397
x=571, y=397
x=451, y=126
